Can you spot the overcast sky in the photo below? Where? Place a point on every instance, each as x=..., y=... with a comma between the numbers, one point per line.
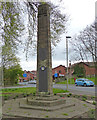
x=82, y=13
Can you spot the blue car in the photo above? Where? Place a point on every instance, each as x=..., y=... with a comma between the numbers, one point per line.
x=84, y=82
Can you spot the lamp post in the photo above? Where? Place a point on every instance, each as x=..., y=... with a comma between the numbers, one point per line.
x=70, y=70
x=67, y=57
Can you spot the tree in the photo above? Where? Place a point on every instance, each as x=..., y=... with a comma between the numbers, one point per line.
x=79, y=71
x=11, y=75
x=12, y=25
x=8, y=57
x=84, y=44
x=57, y=24
x=10, y=31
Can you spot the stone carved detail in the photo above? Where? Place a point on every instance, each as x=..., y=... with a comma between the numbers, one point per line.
x=43, y=63
x=43, y=11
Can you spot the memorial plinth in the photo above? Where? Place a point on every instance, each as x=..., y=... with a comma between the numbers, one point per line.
x=44, y=64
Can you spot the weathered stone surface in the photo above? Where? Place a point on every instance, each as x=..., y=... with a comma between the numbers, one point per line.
x=45, y=101
x=44, y=64
x=13, y=108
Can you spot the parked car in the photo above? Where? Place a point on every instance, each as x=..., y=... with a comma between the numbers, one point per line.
x=32, y=82
x=84, y=82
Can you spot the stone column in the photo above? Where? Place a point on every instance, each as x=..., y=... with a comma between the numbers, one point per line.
x=44, y=62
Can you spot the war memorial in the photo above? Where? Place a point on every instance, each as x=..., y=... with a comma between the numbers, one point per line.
x=44, y=104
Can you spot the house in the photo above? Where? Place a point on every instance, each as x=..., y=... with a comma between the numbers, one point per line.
x=30, y=76
x=60, y=70
x=89, y=68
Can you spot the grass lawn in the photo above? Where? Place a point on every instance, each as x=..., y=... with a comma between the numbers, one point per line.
x=28, y=90
x=93, y=79
x=71, y=81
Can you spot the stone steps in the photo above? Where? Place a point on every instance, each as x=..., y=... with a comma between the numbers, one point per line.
x=24, y=105
x=45, y=102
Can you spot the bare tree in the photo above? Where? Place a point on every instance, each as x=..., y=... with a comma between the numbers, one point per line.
x=83, y=45
x=58, y=23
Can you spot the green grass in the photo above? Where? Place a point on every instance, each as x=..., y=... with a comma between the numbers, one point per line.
x=19, y=90
x=29, y=90
x=71, y=81
x=92, y=79
x=65, y=114
x=59, y=91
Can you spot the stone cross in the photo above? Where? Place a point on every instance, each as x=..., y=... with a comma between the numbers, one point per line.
x=44, y=63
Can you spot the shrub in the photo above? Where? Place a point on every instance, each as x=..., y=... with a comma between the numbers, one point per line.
x=25, y=95
x=17, y=96
x=61, y=95
x=84, y=96
x=68, y=95
x=74, y=96
x=94, y=103
x=28, y=94
x=78, y=96
x=84, y=99
x=33, y=94
x=5, y=97
x=92, y=97
x=14, y=97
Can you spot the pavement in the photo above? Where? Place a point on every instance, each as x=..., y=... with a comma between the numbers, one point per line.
x=11, y=109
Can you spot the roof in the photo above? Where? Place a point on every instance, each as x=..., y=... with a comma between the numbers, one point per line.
x=90, y=64
x=59, y=66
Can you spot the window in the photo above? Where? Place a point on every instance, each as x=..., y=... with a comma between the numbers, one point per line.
x=59, y=71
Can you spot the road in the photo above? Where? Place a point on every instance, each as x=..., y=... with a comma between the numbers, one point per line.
x=77, y=89
x=72, y=88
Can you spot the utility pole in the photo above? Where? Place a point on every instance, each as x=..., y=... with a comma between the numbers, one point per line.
x=70, y=70
x=67, y=57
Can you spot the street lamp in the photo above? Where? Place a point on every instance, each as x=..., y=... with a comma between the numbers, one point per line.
x=67, y=57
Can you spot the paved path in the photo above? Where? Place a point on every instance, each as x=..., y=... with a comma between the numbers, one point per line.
x=77, y=108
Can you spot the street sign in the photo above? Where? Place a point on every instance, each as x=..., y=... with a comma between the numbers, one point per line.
x=61, y=74
x=24, y=75
x=56, y=75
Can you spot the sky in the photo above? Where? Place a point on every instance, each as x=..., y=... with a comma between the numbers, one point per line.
x=82, y=13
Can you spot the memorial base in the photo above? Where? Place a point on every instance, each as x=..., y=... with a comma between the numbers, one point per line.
x=45, y=103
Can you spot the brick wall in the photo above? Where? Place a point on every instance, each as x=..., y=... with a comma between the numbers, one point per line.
x=61, y=70
x=90, y=71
